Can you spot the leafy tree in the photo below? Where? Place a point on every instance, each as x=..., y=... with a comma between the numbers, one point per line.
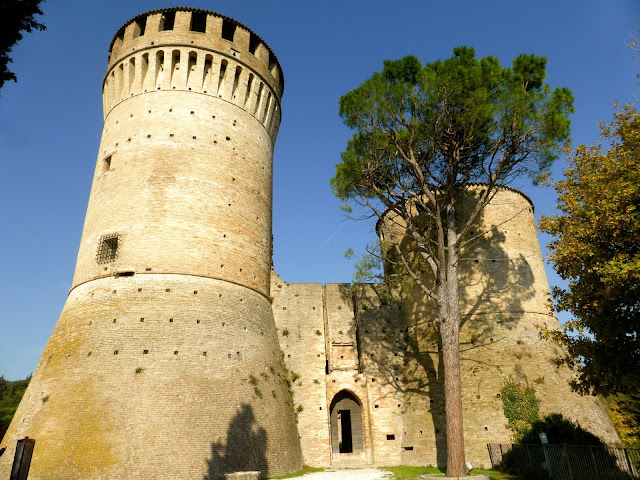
x=597, y=250
x=422, y=134
x=16, y=16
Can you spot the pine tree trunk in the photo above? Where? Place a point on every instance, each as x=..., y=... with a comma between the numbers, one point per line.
x=449, y=332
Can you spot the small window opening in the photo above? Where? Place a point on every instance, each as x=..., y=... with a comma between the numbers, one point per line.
x=175, y=352
x=272, y=62
x=253, y=43
x=236, y=81
x=125, y=274
x=391, y=437
x=106, y=165
x=198, y=22
x=141, y=24
x=115, y=352
x=228, y=30
x=144, y=352
x=375, y=406
x=108, y=248
x=167, y=21
x=408, y=448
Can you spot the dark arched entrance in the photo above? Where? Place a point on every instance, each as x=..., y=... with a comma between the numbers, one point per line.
x=346, y=424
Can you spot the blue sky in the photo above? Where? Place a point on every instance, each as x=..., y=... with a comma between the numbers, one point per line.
x=51, y=121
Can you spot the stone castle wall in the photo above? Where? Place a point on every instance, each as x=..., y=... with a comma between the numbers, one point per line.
x=385, y=351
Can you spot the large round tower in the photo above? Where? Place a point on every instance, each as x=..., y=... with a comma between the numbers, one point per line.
x=165, y=361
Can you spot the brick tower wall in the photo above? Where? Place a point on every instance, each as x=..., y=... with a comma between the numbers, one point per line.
x=165, y=357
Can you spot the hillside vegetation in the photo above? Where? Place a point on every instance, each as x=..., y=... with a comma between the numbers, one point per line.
x=10, y=395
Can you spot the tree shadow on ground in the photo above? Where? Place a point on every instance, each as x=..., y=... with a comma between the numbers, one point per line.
x=244, y=450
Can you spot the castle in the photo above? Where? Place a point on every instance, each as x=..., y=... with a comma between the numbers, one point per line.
x=180, y=353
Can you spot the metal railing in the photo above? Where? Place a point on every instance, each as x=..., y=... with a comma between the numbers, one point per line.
x=566, y=462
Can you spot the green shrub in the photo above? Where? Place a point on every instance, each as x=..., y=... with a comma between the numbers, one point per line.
x=560, y=430
x=520, y=406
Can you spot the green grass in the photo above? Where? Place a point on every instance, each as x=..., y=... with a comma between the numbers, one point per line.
x=299, y=473
x=411, y=473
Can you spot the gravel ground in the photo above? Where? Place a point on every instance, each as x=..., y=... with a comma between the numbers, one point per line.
x=350, y=474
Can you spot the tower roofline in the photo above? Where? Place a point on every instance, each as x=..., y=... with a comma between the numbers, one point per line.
x=474, y=184
x=199, y=10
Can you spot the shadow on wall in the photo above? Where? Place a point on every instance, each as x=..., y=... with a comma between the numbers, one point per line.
x=398, y=332
x=244, y=450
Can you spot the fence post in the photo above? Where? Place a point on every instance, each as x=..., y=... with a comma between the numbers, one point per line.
x=566, y=456
x=626, y=454
x=593, y=457
x=547, y=461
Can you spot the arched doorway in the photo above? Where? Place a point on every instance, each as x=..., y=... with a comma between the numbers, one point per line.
x=347, y=433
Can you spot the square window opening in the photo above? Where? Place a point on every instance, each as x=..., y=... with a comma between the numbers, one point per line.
x=228, y=30
x=108, y=248
x=198, y=22
x=167, y=21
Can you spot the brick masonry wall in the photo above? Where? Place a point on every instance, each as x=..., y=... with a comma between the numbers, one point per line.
x=298, y=311
x=165, y=361
x=141, y=369
x=394, y=366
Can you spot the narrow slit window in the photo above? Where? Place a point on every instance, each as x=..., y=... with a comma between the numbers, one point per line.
x=266, y=107
x=253, y=43
x=159, y=68
x=198, y=22
x=272, y=63
x=228, y=29
x=246, y=96
x=167, y=21
x=144, y=67
x=131, y=73
x=223, y=71
x=108, y=248
x=175, y=66
x=106, y=165
x=236, y=81
x=206, y=74
x=141, y=24
x=259, y=97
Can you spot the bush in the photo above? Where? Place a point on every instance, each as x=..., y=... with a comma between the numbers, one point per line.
x=520, y=407
x=560, y=430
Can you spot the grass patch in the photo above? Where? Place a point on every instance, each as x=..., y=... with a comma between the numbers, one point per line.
x=299, y=473
x=411, y=473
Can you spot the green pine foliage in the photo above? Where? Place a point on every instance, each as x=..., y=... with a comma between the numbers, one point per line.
x=10, y=395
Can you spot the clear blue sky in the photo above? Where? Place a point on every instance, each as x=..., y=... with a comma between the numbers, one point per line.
x=51, y=121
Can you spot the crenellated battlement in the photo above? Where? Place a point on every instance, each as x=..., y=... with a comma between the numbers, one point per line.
x=199, y=51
